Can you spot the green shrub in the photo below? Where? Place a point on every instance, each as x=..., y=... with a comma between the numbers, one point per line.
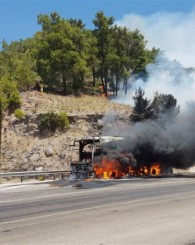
x=10, y=95
x=48, y=122
x=63, y=120
x=52, y=121
x=19, y=114
x=14, y=101
x=92, y=91
x=41, y=178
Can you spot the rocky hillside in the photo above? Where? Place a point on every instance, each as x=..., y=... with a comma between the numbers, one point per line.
x=24, y=148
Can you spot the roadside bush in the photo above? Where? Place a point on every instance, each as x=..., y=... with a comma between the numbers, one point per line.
x=52, y=121
x=19, y=114
x=48, y=122
x=41, y=178
x=63, y=120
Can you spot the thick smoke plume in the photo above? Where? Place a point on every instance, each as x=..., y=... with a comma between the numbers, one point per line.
x=168, y=140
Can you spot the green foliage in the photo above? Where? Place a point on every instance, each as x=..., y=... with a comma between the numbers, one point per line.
x=25, y=72
x=63, y=55
x=61, y=58
x=92, y=90
x=161, y=103
x=10, y=95
x=141, y=108
x=104, y=43
x=14, y=101
x=19, y=64
x=19, y=114
x=41, y=178
x=50, y=122
x=63, y=120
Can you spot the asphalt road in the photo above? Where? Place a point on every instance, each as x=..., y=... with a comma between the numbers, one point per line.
x=137, y=211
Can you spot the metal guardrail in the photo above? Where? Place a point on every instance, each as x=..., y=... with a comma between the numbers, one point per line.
x=34, y=173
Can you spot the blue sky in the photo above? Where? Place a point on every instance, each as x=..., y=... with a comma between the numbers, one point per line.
x=165, y=24
x=18, y=18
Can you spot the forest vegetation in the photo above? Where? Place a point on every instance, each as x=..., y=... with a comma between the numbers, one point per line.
x=68, y=59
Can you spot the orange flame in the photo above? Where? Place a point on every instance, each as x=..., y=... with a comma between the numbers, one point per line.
x=155, y=169
x=108, y=169
x=113, y=169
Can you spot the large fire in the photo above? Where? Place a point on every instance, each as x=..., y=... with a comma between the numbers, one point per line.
x=113, y=169
x=109, y=169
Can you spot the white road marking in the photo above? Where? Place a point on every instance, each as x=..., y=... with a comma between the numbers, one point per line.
x=12, y=187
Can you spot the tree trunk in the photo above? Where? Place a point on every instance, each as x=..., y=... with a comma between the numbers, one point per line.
x=106, y=86
x=64, y=84
x=103, y=84
x=93, y=71
x=117, y=82
x=125, y=85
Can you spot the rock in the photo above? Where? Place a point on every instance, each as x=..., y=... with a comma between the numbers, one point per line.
x=39, y=169
x=49, y=151
x=34, y=158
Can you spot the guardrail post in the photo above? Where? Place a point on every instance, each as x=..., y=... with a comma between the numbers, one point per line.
x=54, y=177
x=21, y=179
x=62, y=176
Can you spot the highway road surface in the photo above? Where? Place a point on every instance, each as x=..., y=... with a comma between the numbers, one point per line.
x=136, y=211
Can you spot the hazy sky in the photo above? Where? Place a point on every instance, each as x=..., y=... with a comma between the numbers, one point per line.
x=166, y=24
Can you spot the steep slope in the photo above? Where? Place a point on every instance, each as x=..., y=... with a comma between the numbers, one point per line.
x=24, y=148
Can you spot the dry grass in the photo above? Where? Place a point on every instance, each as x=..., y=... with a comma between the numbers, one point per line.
x=36, y=102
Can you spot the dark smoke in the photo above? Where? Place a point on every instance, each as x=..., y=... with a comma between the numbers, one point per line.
x=166, y=140
x=171, y=142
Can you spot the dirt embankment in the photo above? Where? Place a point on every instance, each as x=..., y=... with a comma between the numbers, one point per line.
x=24, y=148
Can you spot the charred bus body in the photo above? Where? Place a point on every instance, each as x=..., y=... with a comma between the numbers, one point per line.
x=89, y=150
x=104, y=157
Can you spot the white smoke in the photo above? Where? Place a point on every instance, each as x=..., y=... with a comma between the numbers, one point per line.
x=173, y=33
x=165, y=76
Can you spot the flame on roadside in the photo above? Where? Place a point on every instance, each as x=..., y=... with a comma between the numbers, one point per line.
x=113, y=169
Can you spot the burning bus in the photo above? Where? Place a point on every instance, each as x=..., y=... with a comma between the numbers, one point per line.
x=103, y=157
x=90, y=152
